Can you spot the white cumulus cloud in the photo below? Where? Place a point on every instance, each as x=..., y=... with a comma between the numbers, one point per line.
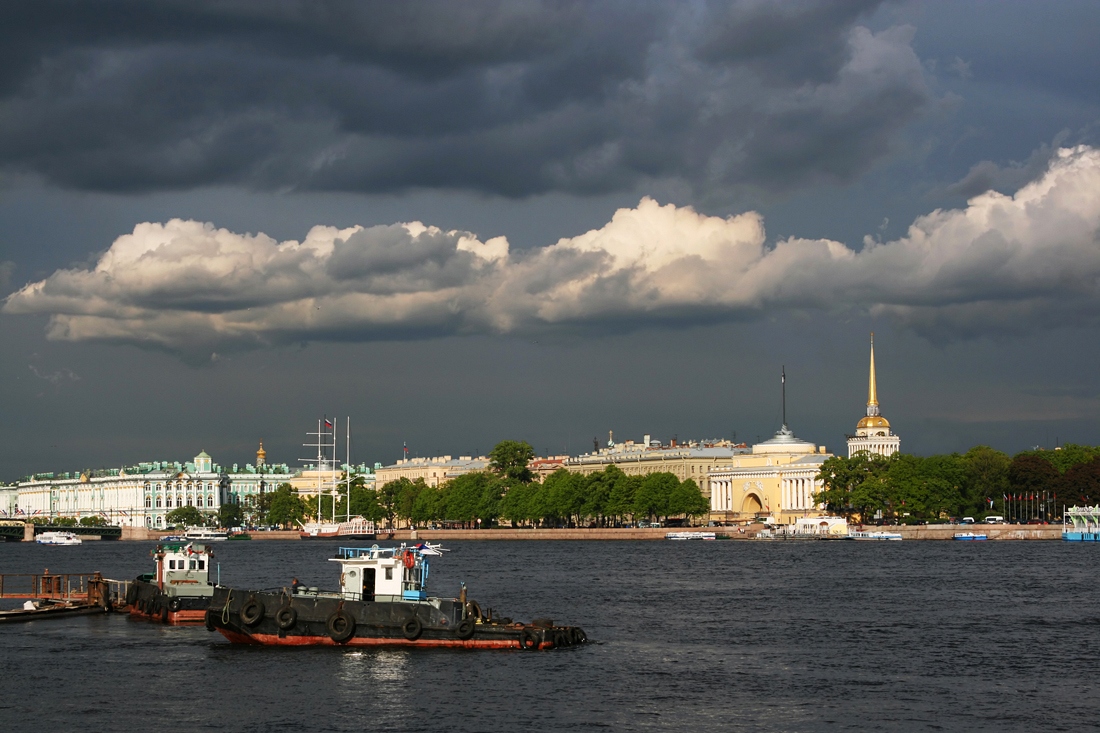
x=1000, y=263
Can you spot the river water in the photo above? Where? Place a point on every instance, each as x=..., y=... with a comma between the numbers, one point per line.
x=689, y=636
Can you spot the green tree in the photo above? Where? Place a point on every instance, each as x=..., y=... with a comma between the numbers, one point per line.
x=509, y=459
x=855, y=486
x=687, y=499
x=286, y=507
x=388, y=497
x=987, y=477
x=652, y=497
x=96, y=521
x=230, y=515
x=185, y=515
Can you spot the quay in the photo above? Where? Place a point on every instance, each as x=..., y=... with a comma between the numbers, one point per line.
x=52, y=595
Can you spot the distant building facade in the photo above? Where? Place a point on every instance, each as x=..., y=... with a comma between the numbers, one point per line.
x=688, y=460
x=777, y=479
x=435, y=471
x=144, y=494
x=873, y=434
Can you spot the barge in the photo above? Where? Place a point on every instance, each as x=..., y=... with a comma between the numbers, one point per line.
x=382, y=601
x=179, y=590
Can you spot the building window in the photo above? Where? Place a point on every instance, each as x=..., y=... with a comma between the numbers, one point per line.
x=190, y=501
x=210, y=500
x=148, y=502
x=158, y=502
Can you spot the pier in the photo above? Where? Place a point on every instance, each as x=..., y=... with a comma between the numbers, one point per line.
x=50, y=595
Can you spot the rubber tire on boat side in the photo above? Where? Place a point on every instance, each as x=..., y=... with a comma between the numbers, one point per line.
x=175, y=604
x=465, y=629
x=209, y=620
x=252, y=612
x=131, y=594
x=579, y=637
x=286, y=617
x=340, y=625
x=529, y=639
x=162, y=612
x=412, y=628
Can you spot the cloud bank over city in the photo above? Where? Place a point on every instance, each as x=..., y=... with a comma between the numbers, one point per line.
x=1001, y=264
x=506, y=98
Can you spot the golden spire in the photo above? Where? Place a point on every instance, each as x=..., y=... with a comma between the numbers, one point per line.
x=872, y=392
x=261, y=455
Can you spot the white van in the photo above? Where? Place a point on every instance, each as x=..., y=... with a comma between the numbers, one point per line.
x=967, y=520
x=994, y=519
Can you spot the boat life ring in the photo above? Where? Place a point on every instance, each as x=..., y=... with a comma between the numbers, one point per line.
x=412, y=628
x=465, y=629
x=286, y=617
x=409, y=559
x=529, y=639
x=175, y=604
x=252, y=611
x=340, y=625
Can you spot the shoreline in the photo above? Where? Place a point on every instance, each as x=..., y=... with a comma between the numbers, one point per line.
x=929, y=532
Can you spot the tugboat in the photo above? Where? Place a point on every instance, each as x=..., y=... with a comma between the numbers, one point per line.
x=179, y=591
x=382, y=601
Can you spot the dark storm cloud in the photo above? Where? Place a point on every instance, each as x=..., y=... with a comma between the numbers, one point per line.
x=1009, y=263
x=510, y=98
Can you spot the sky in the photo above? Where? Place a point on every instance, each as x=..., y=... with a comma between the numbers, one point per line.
x=460, y=223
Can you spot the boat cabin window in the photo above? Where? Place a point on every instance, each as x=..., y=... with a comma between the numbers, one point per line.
x=202, y=564
x=389, y=573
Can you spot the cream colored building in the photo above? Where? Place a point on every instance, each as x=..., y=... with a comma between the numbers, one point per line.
x=434, y=471
x=873, y=433
x=777, y=479
x=694, y=460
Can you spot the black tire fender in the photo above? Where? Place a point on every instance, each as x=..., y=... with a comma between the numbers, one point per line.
x=252, y=612
x=412, y=628
x=175, y=604
x=286, y=617
x=209, y=620
x=465, y=629
x=162, y=612
x=131, y=594
x=579, y=637
x=529, y=638
x=340, y=626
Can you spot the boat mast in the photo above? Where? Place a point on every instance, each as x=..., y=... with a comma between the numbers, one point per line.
x=347, y=473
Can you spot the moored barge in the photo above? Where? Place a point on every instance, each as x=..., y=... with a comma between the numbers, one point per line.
x=179, y=590
x=382, y=601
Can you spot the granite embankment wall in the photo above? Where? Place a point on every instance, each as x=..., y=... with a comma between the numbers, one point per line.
x=921, y=532
x=993, y=531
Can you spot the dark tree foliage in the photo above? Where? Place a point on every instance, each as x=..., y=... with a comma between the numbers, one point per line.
x=605, y=498
x=509, y=459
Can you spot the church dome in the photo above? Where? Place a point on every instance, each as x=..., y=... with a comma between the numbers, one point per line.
x=873, y=421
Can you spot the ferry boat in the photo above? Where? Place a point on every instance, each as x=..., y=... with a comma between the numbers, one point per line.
x=204, y=534
x=58, y=538
x=356, y=529
x=1081, y=524
x=887, y=536
x=179, y=590
x=971, y=536
x=382, y=601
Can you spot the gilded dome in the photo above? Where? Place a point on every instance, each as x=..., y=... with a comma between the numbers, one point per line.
x=875, y=421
